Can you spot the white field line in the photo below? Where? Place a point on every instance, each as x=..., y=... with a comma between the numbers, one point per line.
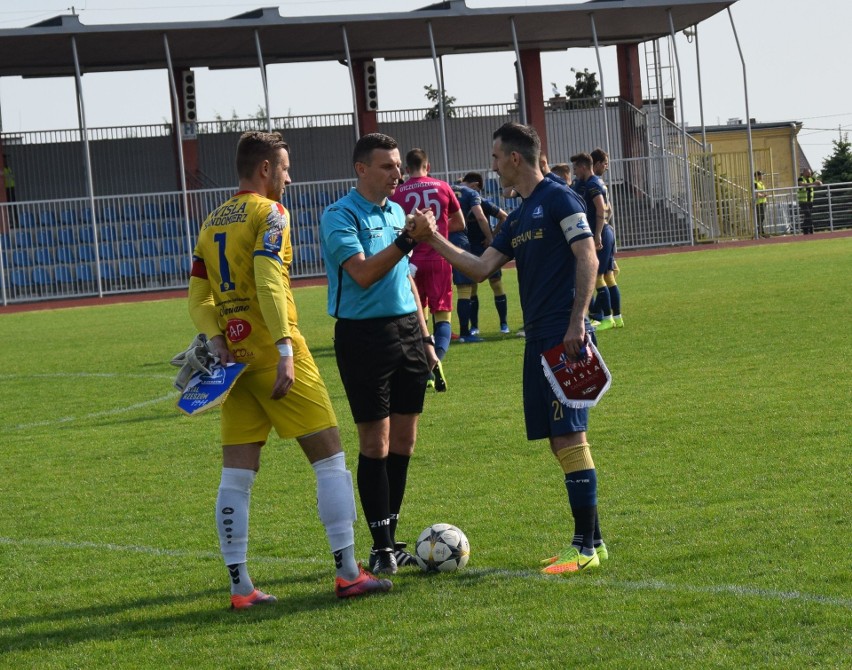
x=94, y=415
x=642, y=585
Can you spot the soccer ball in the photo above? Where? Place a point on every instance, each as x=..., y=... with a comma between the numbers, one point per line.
x=441, y=548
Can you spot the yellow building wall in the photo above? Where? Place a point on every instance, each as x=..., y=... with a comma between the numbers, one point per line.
x=775, y=146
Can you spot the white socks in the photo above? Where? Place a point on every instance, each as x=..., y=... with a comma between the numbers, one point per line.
x=336, y=506
x=232, y=514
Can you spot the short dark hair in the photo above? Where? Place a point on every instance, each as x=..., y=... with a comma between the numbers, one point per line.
x=255, y=147
x=582, y=159
x=522, y=139
x=473, y=178
x=364, y=147
x=600, y=156
x=416, y=159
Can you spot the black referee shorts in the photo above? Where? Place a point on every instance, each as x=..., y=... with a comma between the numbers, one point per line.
x=382, y=364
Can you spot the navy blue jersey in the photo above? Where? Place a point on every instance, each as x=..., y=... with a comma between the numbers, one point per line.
x=538, y=235
x=555, y=177
x=588, y=190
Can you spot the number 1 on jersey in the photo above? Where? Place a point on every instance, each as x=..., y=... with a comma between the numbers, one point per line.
x=224, y=268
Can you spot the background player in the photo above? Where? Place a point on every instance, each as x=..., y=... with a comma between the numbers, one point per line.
x=240, y=297
x=433, y=276
x=607, y=265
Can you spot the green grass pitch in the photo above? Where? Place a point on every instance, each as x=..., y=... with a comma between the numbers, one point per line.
x=723, y=451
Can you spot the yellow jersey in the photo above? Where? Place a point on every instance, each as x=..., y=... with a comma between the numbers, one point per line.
x=242, y=228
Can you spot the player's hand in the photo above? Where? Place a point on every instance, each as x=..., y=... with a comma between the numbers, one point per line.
x=422, y=225
x=285, y=378
x=220, y=346
x=431, y=356
x=575, y=341
x=598, y=242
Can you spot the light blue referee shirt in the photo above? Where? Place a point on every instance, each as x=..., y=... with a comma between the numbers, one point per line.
x=355, y=225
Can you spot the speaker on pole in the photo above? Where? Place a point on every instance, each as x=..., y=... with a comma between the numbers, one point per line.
x=189, y=111
x=371, y=88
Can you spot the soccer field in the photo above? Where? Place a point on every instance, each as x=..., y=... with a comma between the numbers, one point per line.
x=723, y=453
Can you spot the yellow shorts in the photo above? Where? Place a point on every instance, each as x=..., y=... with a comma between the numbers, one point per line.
x=249, y=413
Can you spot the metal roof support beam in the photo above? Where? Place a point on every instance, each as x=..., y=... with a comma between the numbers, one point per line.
x=441, y=111
x=351, y=84
x=519, y=73
x=700, y=88
x=683, y=136
x=263, y=77
x=748, y=128
x=603, y=88
x=179, y=135
x=90, y=185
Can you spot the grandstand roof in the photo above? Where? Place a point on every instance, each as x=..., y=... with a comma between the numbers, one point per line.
x=44, y=49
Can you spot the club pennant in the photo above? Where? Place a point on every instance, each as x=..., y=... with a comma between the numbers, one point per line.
x=576, y=383
x=205, y=391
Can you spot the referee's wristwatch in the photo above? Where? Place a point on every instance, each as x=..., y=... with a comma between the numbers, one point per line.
x=429, y=339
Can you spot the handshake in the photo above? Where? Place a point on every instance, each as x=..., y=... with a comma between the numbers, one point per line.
x=420, y=225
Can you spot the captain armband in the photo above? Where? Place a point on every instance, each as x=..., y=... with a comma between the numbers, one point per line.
x=574, y=225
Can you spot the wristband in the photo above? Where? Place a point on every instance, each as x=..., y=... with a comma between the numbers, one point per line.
x=404, y=243
x=285, y=349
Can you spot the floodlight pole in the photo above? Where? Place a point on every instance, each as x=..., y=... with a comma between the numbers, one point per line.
x=700, y=88
x=603, y=89
x=753, y=189
x=351, y=84
x=90, y=186
x=519, y=72
x=683, y=139
x=179, y=130
x=263, y=77
x=441, y=111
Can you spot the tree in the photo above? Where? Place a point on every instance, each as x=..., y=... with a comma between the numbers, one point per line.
x=838, y=167
x=435, y=111
x=585, y=85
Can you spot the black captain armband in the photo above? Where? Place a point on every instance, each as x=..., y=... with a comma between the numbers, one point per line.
x=404, y=243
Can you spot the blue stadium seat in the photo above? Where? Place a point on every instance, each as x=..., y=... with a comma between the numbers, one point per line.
x=171, y=247
x=171, y=209
x=168, y=266
x=128, y=250
x=47, y=217
x=131, y=212
x=65, y=255
x=86, y=253
x=21, y=258
x=130, y=231
x=43, y=256
x=19, y=278
x=85, y=272
x=108, y=272
x=87, y=214
x=69, y=217
x=185, y=265
x=44, y=238
x=42, y=277
x=149, y=248
x=306, y=235
x=171, y=228
x=66, y=236
x=23, y=239
x=107, y=252
x=151, y=210
x=148, y=268
x=127, y=270
x=87, y=236
x=26, y=219
x=110, y=213
x=108, y=233
x=150, y=230
x=64, y=274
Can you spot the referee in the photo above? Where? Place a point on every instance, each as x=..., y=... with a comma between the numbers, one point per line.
x=382, y=343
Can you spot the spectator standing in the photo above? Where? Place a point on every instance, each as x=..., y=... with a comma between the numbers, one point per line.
x=807, y=182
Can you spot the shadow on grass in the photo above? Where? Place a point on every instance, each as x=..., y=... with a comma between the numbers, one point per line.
x=126, y=619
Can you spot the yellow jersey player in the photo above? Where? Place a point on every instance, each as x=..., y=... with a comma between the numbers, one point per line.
x=240, y=297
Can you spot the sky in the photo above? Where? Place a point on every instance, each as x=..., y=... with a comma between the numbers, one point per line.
x=796, y=57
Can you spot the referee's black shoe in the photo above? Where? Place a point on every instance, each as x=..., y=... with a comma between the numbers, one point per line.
x=382, y=562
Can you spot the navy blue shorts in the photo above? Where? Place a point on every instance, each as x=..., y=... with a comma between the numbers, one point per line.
x=545, y=416
x=606, y=255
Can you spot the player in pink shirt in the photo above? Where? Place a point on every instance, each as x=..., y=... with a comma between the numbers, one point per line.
x=434, y=275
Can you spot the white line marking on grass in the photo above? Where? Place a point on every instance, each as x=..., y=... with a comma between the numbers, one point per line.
x=51, y=375
x=94, y=415
x=645, y=585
